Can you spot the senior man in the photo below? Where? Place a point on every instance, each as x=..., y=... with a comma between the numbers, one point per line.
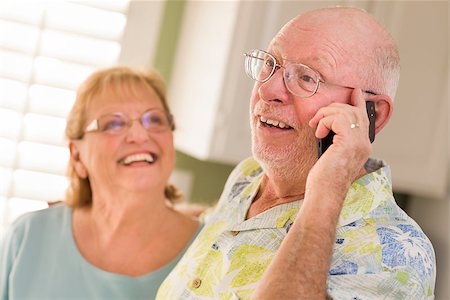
x=289, y=225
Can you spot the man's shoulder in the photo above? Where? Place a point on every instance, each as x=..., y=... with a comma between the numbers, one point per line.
x=367, y=194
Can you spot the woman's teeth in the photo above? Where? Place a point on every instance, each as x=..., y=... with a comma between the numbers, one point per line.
x=145, y=157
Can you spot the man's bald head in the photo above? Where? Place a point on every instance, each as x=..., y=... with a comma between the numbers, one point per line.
x=368, y=49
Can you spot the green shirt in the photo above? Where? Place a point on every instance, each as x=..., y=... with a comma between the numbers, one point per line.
x=39, y=260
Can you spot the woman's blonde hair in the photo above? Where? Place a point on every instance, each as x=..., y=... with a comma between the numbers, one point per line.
x=79, y=193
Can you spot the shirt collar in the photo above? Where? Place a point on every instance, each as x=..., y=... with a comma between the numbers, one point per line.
x=363, y=196
x=367, y=193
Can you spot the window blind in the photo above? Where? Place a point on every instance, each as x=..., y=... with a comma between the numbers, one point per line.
x=46, y=50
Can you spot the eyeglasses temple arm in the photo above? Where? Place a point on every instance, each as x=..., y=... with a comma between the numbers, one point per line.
x=92, y=126
x=349, y=87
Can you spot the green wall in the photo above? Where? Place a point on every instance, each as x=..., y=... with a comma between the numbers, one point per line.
x=168, y=37
x=209, y=178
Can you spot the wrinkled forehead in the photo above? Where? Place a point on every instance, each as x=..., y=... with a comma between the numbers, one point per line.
x=289, y=46
x=326, y=39
x=302, y=45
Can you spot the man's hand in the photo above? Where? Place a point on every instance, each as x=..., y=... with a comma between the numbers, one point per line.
x=344, y=160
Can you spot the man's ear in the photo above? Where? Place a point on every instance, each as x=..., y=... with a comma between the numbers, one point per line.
x=75, y=160
x=383, y=108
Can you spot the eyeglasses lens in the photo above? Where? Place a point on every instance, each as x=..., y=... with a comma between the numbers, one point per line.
x=112, y=123
x=299, y=79
x=154, y=121
x=259, y=65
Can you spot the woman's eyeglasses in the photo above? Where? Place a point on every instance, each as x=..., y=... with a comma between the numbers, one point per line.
x=153, y=120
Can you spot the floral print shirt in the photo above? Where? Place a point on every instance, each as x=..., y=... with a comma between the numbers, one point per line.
x=380, y=252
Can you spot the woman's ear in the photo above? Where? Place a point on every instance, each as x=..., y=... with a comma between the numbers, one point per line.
x=75, y=160
x=384, y=107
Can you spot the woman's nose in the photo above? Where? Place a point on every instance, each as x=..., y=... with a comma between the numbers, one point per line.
x=137, y=132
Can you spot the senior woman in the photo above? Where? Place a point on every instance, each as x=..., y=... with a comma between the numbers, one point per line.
x=116, y=235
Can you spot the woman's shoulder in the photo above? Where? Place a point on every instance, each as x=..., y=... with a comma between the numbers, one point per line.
x=47, y=217
x=41, y=228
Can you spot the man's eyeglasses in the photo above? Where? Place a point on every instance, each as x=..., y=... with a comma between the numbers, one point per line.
x=153, y=120
x=299, y=79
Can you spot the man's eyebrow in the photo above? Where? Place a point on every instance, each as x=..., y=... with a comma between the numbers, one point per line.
x=321, y=64
x=317, y=63
x=322, y=61
x=307, y=61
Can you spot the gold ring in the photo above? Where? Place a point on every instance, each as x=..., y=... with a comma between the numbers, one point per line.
x=354, y=125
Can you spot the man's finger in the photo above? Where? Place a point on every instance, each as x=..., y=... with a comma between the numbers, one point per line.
x=357, y=98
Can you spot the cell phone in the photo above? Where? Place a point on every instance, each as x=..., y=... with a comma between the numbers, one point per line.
x=323, y=144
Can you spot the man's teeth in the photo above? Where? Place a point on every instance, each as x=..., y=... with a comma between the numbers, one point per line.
x=274, y=123
x=146, y=157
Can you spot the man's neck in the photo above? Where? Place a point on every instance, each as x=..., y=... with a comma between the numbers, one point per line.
x=275, y=191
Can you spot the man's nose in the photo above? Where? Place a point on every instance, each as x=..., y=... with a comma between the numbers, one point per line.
x=274, y=89
x=137, y=132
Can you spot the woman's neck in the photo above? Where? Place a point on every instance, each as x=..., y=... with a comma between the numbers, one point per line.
x=122, y=209
x=133, y=238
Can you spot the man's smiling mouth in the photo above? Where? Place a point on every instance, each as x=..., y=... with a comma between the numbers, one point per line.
x=274, y=123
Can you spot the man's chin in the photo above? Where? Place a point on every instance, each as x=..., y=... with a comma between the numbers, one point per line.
x=270, y=157
x=288, y=157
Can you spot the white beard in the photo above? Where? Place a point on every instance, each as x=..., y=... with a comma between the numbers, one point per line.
x=291, y=161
